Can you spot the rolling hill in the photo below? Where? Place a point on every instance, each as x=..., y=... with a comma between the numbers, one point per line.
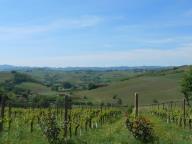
x=26, y=82
x=5, y=76
x=152, y=87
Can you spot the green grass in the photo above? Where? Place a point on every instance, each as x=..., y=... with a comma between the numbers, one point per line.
x=79, y=77
x=170, y=133
x=150, y=88
x=111, y=133
x=5, y=76
x=21, y=135
x=32, y=86
x=117, y=133
x=37, y=88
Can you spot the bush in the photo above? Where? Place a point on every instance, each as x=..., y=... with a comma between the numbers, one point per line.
x=142, y=129
x=50, y=128
x=67, y=85
x=91, y=86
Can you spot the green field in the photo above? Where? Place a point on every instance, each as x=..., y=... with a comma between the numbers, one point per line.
x=150, y=88
x=5, y=76
x=79, y=78
x=37, y=88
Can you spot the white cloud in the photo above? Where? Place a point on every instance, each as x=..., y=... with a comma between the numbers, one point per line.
x=76, y=23
x=136, y=57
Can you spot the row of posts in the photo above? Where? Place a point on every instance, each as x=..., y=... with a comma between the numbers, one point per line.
x=67, y=106
x=2, y=109
x=136, y=105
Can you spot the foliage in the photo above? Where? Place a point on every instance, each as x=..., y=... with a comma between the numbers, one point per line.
x=142, y=129
x=119, y=101
x=20, y=78
x=187, y=86
x=115, y=96
x=67, y=85
x=50, y=128
x=26, y=122
x=91, y=86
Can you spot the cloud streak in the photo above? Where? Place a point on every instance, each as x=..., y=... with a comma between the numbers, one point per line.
x=77, y=23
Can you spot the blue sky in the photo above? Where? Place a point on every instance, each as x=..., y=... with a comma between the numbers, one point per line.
x=65, y=33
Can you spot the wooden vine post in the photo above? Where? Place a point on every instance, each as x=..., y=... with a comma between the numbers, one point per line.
x=67, y=106
x=184, y=112
x=2, y=106
x=136, y=104
x=171, y=105
x=163, y=106
x=9, y=116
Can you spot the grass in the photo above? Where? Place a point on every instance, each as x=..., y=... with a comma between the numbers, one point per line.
x=20, y=134
x=113, y=132
x=5, y=76
x=37, y=88
x=79, y=77
x=117, y=133
x=150, y=88
x=170, y=133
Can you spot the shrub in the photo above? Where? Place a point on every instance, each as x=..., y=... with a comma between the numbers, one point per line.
x=142, y=129
x=67, y=85
x=50, y=128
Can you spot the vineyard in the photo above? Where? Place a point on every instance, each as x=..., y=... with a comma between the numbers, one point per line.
x=56, y=124
x=72, y=123
x=177, y=112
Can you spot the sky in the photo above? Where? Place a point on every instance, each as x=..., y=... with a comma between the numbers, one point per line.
x=87, y=33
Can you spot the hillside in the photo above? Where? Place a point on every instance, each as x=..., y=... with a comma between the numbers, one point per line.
x=158, y=86
x=80, y=76
x=152, y=86
x=22, y=87
x=5, y=76
x=37, y=88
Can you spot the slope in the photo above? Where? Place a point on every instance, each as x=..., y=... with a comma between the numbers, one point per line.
x=161, y=86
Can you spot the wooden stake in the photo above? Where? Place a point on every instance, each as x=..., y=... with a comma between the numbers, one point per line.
x=136, y=104
x=65, y=116
x=184, y=112
x=2, y=112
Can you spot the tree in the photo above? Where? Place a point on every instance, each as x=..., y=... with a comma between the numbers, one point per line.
x=67, y=85
x=119, y=101
x=114, y=96
x=91, y=86
x=187, y=86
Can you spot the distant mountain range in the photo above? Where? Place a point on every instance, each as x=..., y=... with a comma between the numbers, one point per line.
x=119, y=68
